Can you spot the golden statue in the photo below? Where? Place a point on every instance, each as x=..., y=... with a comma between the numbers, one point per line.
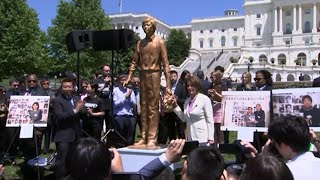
x=150, y=53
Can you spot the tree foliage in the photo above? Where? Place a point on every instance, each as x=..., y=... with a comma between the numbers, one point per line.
x=22, y=43
x=77, y=15
x=178, y=46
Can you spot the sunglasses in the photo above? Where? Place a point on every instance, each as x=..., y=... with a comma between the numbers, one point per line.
x=257, y=79
x=29, y=81
x=45, y=83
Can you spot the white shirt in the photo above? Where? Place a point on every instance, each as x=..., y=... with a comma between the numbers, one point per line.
x=305, y=166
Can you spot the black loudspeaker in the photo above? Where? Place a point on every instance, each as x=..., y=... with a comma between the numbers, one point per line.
x=77, y=40
x=116, y=39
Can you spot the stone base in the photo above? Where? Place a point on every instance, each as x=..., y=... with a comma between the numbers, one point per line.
x=134, y=159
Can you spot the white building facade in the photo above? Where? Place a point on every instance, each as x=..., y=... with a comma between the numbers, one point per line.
x=282, y=36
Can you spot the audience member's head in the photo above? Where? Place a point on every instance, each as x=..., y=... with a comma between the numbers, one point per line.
x=216, y=77
x=32, y=81
x=219, y=69
x=193, y=86
x=263, y=78
x=66, y=86
x=135, y=81
x=93, y=88
x=246, y=78
x=45, y=83
x=184, y=75
x=89, y=159
x=205, y=163
x=122, y=78
x=173, y=76
x=264, y=167
x=290, y=135
x=200, y=74
x=14, y=84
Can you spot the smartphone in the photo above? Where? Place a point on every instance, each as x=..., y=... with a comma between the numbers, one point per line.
x=189, y=146
x=126, y=176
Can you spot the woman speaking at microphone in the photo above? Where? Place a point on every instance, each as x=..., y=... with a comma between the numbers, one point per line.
x=197, y=113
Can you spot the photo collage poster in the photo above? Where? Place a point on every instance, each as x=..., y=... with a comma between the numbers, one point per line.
x=246, y=109
x=304, y=102
x=28, y=110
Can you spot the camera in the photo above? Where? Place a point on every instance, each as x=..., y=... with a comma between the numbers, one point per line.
x=189, y=146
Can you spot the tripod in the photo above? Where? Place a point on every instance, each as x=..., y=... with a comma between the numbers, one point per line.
x=111, y=130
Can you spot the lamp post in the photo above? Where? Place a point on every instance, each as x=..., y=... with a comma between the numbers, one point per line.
x=249, y=66
x=200, y=61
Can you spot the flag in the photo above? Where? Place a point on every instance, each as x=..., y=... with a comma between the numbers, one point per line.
x=120, y=6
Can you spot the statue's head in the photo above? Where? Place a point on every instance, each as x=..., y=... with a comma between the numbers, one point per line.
x=151, y=21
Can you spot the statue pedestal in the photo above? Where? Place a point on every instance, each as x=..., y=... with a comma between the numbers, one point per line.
x=134, y=159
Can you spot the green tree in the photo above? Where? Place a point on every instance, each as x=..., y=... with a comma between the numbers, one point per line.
x=77, y=15
x=22, y=48
x=178, y=46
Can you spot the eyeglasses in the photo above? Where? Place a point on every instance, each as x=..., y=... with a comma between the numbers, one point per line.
x=257, y=79
x=34, y=81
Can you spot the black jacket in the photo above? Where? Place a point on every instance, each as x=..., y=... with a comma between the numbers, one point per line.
x=316, y=82
x=181, y=93
x=67, y=123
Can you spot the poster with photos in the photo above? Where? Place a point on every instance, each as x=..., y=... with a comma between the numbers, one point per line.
x=28, y=110
x=304, y=102
x=246, y=109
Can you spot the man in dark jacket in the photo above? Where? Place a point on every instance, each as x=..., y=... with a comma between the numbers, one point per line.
x=65, y=109
x=260, y=116
x=205, y=84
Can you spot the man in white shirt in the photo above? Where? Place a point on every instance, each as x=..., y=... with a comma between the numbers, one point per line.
x=292, y=139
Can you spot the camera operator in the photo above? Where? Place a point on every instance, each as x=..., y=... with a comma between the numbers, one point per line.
x=104, y=87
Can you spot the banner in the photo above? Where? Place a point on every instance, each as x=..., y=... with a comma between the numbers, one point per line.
x=246, y=109
x=28, y=110
x=304, y=102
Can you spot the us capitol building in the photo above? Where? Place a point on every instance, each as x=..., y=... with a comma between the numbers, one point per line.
x=282, y=36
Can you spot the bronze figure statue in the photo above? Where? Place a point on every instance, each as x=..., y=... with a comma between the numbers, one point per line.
x=150, y=53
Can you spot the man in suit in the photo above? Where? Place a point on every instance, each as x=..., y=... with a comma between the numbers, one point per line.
x=202, y=163
x=65, y=109
x=263, y=82
x=316, y=82
x=205, y=84
x=260, y=116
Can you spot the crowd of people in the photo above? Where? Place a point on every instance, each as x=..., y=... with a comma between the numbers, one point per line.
x=78, y=115
x=196, y=116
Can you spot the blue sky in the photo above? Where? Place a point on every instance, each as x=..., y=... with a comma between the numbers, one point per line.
x=172, y=12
